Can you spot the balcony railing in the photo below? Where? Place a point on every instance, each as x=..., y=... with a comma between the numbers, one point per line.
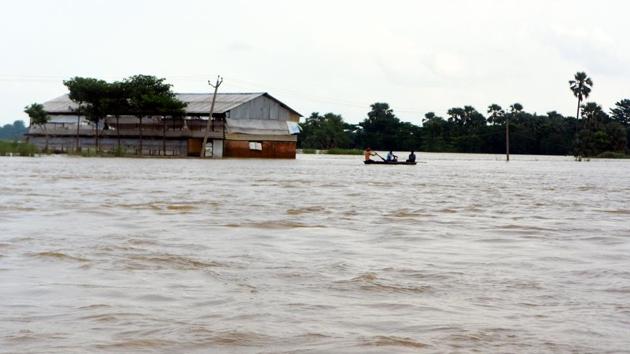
x=151, y=131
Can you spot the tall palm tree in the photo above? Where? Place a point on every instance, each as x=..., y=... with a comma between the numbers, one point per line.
x=581, y=87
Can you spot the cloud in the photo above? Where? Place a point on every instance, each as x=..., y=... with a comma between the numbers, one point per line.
x=591, y=48
x=239, y=47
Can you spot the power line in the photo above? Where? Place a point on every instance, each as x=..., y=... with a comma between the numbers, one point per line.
x=237, y=82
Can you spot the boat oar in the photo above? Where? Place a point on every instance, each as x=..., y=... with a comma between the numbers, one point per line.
x=376, y=153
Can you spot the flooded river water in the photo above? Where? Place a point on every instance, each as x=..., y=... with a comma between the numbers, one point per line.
x=461, y=253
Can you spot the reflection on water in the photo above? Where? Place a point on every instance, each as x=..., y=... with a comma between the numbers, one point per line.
x=322, y=254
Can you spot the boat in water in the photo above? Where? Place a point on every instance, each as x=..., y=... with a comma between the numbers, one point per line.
x=372, y=162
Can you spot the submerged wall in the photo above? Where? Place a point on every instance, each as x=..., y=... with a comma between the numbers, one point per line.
x=269, y=149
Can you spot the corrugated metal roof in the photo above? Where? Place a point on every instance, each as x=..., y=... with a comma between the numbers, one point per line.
x=197, y=103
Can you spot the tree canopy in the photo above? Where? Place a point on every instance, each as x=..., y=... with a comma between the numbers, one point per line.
x=37, y=114
x=13, y=131
x=468, y=130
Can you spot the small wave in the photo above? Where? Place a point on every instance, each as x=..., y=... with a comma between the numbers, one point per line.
x=370, y=282
x=161, y=206
x=155, y=298
x=447, y=210
x=238, y=338
x=617, y=211
x=26, y=335
x=112, y=317
x=525, y=285
x=393, y=341
x=58, y=256
x=180, y=207
x=306, y=210
x=136, y=241
x=136, y=344
x=622, y=290
x=15, y=208
x=273, y=225
x=169, y=261
x=402, y=213
x=94, y=306
x=424, y=275
x=524, y=228
x=369, y=277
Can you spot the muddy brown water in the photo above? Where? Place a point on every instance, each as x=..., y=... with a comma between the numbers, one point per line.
x=461, y=253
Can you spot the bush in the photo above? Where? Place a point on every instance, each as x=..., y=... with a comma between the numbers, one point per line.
x=119, y=151
x=8, y=148
x=613, y=155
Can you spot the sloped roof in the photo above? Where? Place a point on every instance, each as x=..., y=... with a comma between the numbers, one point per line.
x=197, y=103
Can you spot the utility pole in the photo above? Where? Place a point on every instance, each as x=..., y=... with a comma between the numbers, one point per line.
x=214, y=98
x=507, y=139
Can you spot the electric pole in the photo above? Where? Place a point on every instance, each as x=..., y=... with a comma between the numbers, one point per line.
x=507, y=139
x=214, y=98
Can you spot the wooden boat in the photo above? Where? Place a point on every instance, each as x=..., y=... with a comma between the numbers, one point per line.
x=372, y=162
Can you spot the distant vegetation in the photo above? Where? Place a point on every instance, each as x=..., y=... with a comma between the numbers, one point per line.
x=13, y=131
x=464, y=129
x=334, y=151
x=8, y=148
x=339, y=151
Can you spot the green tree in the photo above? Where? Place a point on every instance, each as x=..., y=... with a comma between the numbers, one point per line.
x=466, y=117
x=581, y=86
x=149, y=96
x=594, y=116
x=117, y=104
x=324, y=132
x=381, y=127
x=592, y=138
x=496, y=114
x=38, y=117
x=90, y=95
x=617, y=136
x=621, y=112
x=435, y=133
x=168, y=106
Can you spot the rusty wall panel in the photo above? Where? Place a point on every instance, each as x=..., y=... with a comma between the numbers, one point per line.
x=194, y=147
x=270, y=149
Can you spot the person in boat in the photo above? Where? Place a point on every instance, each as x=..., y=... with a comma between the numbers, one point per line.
x=368, y=153
x=391, y=157
x=412, y=157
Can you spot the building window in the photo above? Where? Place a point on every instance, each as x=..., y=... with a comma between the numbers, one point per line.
x=255, y=145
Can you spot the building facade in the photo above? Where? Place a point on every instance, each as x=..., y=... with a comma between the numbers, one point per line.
x=242, y=125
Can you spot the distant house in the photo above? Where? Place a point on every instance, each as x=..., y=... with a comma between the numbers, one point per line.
x=242, y=125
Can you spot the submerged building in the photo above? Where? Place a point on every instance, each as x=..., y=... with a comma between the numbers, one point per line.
x=242, y=125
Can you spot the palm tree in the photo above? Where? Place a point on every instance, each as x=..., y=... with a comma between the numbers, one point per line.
x=496, y=114
x=581, y=87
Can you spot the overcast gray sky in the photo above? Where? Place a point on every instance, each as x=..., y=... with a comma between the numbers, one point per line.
x=326, y=56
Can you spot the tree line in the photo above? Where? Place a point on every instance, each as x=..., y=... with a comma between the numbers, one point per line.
x=13, y=131
x=464, y=129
